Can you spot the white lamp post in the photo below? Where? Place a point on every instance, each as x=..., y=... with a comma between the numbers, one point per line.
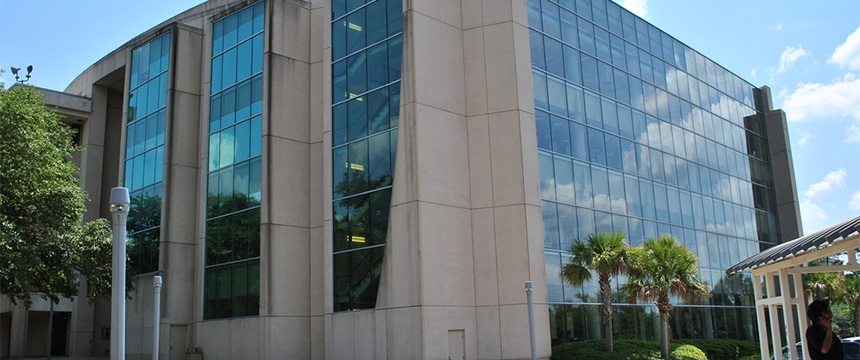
x=531, y=319
x=156, y=283
x=119, y=206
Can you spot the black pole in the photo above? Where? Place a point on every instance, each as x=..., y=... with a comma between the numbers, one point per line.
x=50, y=327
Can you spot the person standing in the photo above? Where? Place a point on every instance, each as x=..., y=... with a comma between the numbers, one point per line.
x=822, y=342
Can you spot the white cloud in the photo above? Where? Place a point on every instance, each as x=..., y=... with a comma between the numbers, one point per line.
x=776, y=27
x=838, y=99
x=811, y=213
x=832, y=181
x=848, y=54
x=804, y=140
x=754, y=73
x=853, y=132
x=789, y=56
x=638, y=7
x=855, y=201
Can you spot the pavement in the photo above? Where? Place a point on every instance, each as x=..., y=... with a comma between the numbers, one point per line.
x=60, y=358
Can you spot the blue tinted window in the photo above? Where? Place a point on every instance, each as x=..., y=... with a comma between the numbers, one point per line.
x=593, y=114
x=613, y=152
x=582, y=184
x=547, y=188
x=572, y=65
x=618, y=199
x=557, y=96
x=560, y=135
x=144, y=158
x=596, y=150
x=575, y=103
x=543, y=130
x=554, y=58
x=631, y=194
x=569, y=29
x=601, y=44
x=610, y=115
x=537, y=52
x=579, y=141
x=232, y=226
x=586, y=37
x=589, y=73
x=606, y=78
x=549, y=13
x=366, y=73
x=539, y=86
x=534, y=14
x=564, y=180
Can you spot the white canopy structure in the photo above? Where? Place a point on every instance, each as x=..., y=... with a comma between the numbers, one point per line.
x=781, y=267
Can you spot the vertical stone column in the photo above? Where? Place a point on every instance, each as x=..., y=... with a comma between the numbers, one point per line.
x=18, y=335
x=91, y=166
x=180, y=186
x=504, y=177
x=465, y=226
x=285, y=244
x=785, y=186
x=320, y=114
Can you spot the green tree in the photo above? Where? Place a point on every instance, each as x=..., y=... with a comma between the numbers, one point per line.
x=606, y=254
x=851, y=296
x=660, y=269
x=44, y=248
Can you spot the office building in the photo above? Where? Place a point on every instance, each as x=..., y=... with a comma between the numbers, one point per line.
x=379, y=179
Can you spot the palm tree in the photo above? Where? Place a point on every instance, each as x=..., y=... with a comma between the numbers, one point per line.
x=662, y=268
x=819, y=286
x=606, y=254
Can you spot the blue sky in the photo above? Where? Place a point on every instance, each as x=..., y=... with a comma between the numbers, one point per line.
x=807, y=52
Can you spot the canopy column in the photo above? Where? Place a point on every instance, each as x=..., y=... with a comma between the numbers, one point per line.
x=759, y=313
x=801, y=313
x=770, y=286
x=788, y=313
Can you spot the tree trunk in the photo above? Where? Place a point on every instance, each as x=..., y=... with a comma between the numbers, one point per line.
x=857, y=316
x=606, y=295
x=664, y=334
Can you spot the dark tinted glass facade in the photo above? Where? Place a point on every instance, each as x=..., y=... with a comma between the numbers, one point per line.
x=232, y=270
x=144, y=151
x=366, y=57
x=640, y=134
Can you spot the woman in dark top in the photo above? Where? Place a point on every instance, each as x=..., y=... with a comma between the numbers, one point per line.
x=823, y=343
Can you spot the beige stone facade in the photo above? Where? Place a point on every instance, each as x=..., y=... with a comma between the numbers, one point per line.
x=465, y=228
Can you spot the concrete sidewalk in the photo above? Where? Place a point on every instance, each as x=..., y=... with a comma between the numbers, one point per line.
x=59, y=358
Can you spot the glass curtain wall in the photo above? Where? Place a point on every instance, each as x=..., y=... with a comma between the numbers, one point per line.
x=232, y=270
x=640, y=134
x=367, y=38
x=144, y=151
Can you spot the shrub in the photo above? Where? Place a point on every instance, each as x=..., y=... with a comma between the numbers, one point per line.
x=588, y=349
x=721, y=349
x=624, y=349
x=687, y=352
x=751, y=357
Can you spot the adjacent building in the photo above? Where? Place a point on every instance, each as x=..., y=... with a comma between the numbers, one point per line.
x=378, y=179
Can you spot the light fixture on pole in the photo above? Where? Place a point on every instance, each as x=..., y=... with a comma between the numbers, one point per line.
x=17, y=76
x=531, y=319
x=156, y=283
x=119, y=207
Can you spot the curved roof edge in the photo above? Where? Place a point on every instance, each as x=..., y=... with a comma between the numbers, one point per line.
x=813, y=242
